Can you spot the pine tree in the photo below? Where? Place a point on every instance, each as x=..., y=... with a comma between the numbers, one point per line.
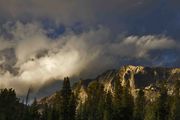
x=162, y=103
x=68, y=102
x=45, y=112
x=127, y=104
x=108, y=111
x=151, y=111
x=101, y=104
x=34, y=110
x=95, y=101
x=139, y=109
x=72, y=107
x=175, y=103
x=117, y=100
x=9, y=103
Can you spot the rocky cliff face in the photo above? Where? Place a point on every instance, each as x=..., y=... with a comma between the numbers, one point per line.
x=136, y=77
x=141, y=77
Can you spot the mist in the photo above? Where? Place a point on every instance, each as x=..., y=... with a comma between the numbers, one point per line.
x=40, y=59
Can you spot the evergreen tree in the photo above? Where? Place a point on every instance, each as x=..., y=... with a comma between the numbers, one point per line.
x=123, y=102
x=34, y=110
x=101, y=104
x=95, y=104
x=9, y=104
x=82, y=113
x=72, y=107
x=162, y=103
x=45, y=112
x=127, y=104
x=117, y=100
x=175, y=103
x=68, y=102
x=108, y=111
x=53, y=115
x=139, y=109
x=151, y=111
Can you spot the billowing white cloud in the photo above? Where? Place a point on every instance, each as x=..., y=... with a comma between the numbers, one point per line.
x=41, y=59
x=135, y=46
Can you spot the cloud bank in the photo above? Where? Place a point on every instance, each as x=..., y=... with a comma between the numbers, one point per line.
x=70, y=11
x=39, y=59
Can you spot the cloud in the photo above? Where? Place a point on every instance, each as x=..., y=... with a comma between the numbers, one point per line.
x=64, y=56
x=4, y=44
x=138, y=47
x=68, y=12
x=41, y=59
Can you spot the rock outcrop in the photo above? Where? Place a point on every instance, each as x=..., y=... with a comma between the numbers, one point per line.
x=135, y=77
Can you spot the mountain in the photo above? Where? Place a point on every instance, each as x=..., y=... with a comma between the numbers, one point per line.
x=135, y=77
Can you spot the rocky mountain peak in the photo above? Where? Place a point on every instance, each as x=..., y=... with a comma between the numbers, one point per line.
x=135, y=77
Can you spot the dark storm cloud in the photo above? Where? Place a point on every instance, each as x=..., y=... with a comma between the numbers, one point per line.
x=43, y=59
x=132, y=16
x=56, y=38
x=68, y=11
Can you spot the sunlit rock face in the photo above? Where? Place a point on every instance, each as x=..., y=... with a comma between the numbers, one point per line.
x=141, y=77
x=135, y=77
x=138, y=77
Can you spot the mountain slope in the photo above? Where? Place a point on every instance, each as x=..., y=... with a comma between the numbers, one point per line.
x=136, y=77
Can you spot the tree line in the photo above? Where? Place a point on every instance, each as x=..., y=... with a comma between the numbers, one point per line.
x=99, y=105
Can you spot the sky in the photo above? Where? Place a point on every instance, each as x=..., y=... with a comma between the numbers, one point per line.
x=46, y=40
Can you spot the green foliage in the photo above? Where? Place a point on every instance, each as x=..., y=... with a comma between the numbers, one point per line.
x=95, y=102
x=34, y=110
x=68, y=102
x=123, y=102
x=10, y=108
x=127, y=104
x=108, y=109
x=162, y=104
x=175, y=103
x=150, y=111
x=118, y=104
x=139, y=109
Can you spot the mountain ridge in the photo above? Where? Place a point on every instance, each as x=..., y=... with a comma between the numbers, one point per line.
x=136, y=77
